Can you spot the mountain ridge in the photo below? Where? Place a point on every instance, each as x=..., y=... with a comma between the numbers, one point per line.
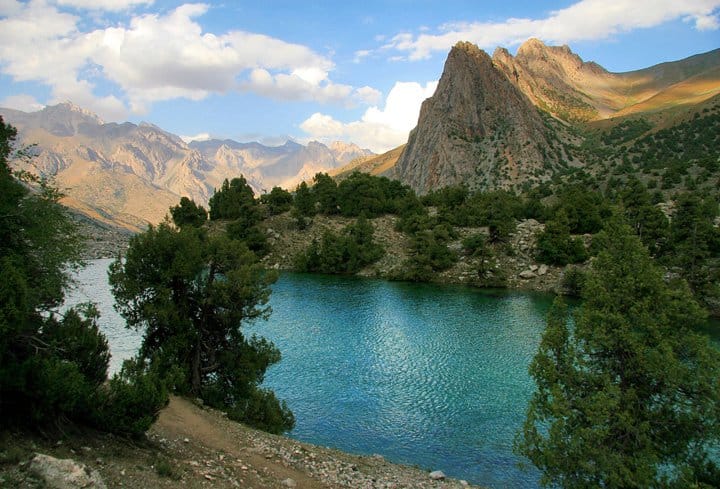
x=135, y=172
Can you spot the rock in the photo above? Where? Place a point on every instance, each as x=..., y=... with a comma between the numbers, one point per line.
x=533, y=268
x=437, y=475
x=527, y=274
x=464, y=483
x=65, y=473
x=289, y=482
x=542, y=270
x=186, y=440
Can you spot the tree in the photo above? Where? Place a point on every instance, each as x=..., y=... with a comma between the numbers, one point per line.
x=303, y=205
x=277, y=201
x=188, y=213
x=629, y=396
x=190, y=295
x=694, y=246
x=555, y=246
x=52, y=366
x=235, y=199
x=348, y=252
x=325, y=191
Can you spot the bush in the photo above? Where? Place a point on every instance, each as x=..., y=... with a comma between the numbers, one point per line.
x=130, y=403
x=262, y=410
x=348, y=252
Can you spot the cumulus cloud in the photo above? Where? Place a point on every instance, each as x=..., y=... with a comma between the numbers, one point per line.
x=379, y=129
x=156, y=57
x=585, y=20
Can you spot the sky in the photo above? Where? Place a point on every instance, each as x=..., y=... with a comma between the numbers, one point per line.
x=270, y=71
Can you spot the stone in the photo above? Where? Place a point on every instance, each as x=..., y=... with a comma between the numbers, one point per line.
x=289, y=483
x=65, y=473
x=533, y=268
x=527, y=274
x=464, y=483
x=543, y=270
x=437, y=475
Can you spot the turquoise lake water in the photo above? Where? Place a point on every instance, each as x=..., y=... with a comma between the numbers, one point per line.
x=426, y=375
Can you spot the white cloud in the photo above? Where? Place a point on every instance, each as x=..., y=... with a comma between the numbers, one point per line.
x=582, y=21
x=379, y=129
x=109, y=5
x=203, y=136
x=26, y=103
x=156, y=57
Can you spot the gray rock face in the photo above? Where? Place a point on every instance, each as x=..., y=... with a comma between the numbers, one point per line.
x=477, y=128
x=65, y=473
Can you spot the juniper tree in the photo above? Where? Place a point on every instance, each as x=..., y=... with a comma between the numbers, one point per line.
x=628, y=395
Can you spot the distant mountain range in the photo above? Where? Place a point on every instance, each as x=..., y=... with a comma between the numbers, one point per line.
x=131, y=174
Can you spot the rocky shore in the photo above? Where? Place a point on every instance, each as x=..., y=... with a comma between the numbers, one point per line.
x=196, y=447
x=513, y=265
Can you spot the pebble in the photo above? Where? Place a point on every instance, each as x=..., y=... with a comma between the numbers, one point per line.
x=289, y=483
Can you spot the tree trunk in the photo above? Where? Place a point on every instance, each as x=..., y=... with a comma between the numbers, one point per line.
x=195, y=381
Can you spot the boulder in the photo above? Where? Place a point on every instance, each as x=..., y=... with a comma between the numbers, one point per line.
x=437, y=475
x=65, y=473
x=542, y=270
x=527, y=274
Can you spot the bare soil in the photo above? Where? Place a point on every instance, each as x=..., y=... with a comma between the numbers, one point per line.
x=196, y=447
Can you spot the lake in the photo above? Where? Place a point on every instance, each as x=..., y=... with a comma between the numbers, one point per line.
x=427, y=375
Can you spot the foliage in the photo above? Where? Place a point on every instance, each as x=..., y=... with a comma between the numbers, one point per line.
x=626, y=131
x=361, y=193
x=303, y=205
x=477, y=246
x=188, y=213
x=190, y=295
x=648, y=222
x=277, y=201
x=428, y=254
x=325, y=193
x=234, y=200
x=131, y=401
x=694, y=245
x=250, y=234
x=348, y=252
x=585, y=210
x=52, y=366
x=573, y=280
x=555, y=246
x=629, y=396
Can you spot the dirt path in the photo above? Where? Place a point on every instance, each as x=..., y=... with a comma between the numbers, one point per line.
x=184, y=420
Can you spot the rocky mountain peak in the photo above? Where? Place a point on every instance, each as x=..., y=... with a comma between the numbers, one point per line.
x=477, y=129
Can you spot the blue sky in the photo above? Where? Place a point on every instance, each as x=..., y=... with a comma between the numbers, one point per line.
x=269, y=71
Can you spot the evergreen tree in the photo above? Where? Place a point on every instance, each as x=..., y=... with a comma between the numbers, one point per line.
x=190, y=295
x=303, y=205
x=325, y=191
x=629, y=396
x=53, y=366
x=188, y=213
x=234, y=200
x=694, y=246
x=555, y=246
x=277, y=201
